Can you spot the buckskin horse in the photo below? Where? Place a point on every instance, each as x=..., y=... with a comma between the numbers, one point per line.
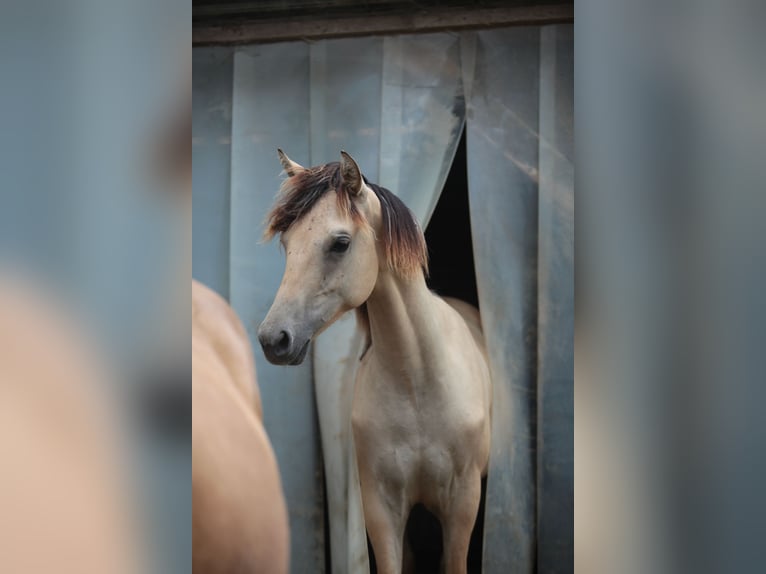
x=422, y=400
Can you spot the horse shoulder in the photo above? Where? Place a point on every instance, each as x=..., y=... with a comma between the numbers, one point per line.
x=363, y=404
x=375, y=405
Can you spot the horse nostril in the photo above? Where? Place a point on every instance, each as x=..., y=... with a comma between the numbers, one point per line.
x=283, y=344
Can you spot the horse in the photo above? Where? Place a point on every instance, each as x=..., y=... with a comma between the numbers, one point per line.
x=422, y=398
x=239, y=516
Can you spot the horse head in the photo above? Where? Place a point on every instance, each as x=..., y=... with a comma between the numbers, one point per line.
x=338, y=232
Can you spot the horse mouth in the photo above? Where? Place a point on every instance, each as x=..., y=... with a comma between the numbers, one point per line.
x=297, y=359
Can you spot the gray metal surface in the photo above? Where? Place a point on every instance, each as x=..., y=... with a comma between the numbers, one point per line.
x=211, y=163
x=397, y=104
x=521, y=200
x=555, y=305
x=503, y=195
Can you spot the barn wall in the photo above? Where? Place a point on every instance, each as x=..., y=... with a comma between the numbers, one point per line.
x=398, y=104
x=555, y=318
x=503, y=194
x=521, y=186
x=212, y=71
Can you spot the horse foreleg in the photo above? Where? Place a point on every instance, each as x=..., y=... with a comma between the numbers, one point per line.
x=458, y=520
x=385, y=518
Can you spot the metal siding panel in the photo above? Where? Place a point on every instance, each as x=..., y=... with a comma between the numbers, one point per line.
x=211, y=161
x=297, y=97
x=503, y=194
x=555, y=504
x=423, y=110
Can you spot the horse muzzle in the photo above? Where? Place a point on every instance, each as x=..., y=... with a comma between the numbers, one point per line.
x=282, y=346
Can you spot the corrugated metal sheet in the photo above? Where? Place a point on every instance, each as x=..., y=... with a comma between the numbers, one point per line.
x=514, y=89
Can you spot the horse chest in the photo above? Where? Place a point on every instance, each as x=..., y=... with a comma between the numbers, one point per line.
x=398, y=410
x=409, y=434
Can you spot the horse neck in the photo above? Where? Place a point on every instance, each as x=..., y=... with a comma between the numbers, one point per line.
x=403, y=324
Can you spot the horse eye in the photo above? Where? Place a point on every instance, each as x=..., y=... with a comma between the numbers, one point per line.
x=340, y=245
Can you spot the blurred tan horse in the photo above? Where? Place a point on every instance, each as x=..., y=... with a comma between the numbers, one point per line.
x=239, y=515
x=421, y=409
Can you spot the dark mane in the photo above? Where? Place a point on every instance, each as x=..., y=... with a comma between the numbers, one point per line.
x=405, y=244
x=403, y=240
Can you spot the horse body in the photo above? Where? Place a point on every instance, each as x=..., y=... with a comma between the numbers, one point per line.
x=421, y=408
x=239, y=518
x=421, y=421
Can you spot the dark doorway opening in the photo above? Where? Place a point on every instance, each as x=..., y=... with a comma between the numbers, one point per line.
x=448, y=236
x=452, y=274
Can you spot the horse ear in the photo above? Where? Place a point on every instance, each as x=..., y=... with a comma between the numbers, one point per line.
x=290, y=167
x=350, y=173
